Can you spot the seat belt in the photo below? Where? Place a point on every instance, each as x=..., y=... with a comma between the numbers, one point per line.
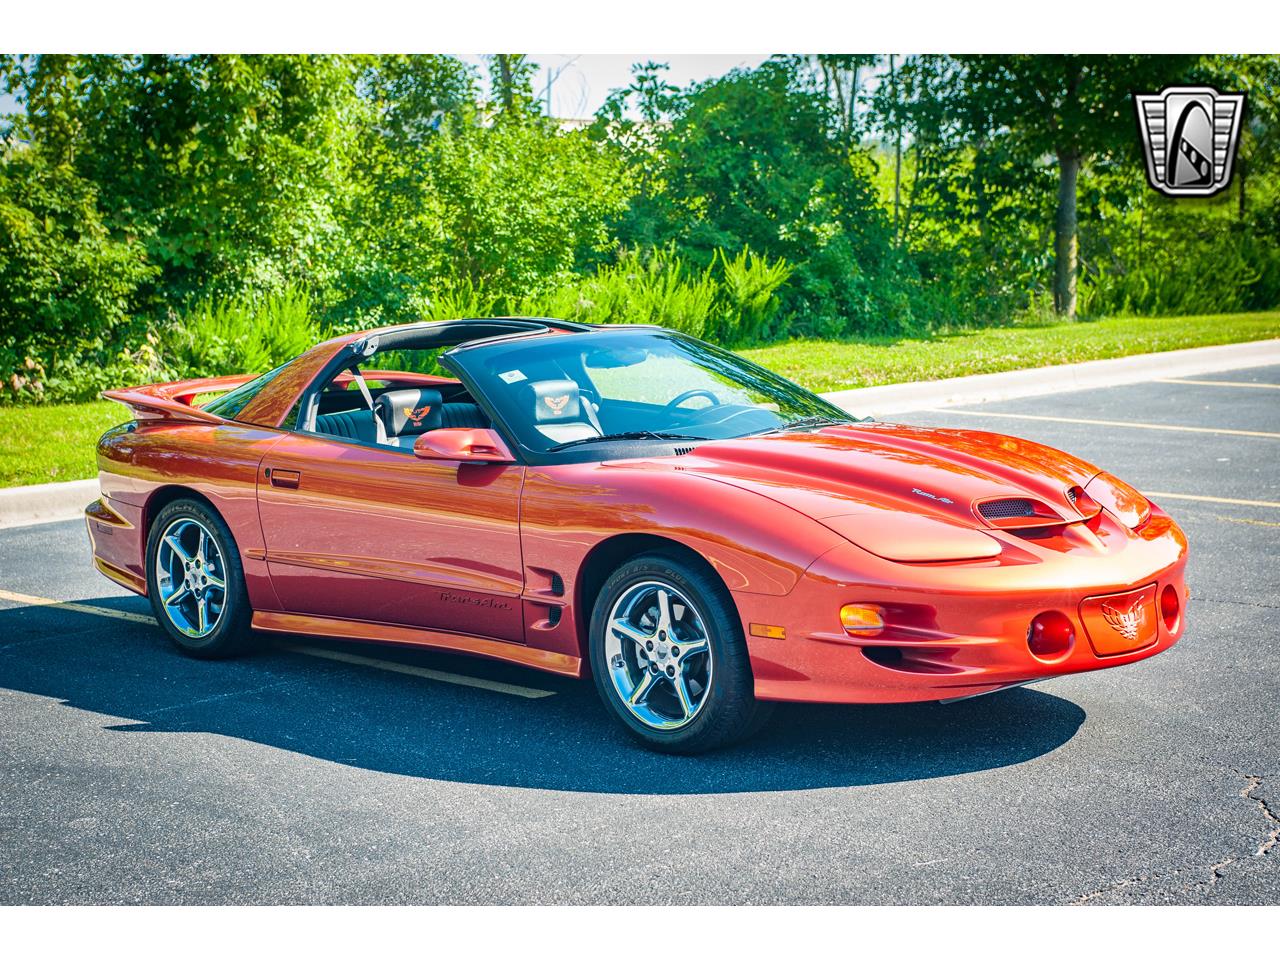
x=378, y=426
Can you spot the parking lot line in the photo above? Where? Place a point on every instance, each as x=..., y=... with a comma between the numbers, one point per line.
x=1107, y=423
x=458, y=679
x=514, y=689
x=1223, y=383
x=1189, y=496
x=1255, y=523
x=27, y=600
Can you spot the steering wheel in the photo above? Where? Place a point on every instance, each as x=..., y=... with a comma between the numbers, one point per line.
x=690, y=394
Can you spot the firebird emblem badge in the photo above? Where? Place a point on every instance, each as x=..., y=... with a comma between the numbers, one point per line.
x=557, y=404
x=1128, y=622
x=417, y=416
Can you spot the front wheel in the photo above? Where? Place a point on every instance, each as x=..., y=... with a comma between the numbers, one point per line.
x=669, y=657
x=196, y=582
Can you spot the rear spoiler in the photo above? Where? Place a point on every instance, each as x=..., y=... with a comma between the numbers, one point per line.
x=172, y=401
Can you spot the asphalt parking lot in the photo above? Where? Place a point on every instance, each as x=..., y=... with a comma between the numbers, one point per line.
x=130, y=774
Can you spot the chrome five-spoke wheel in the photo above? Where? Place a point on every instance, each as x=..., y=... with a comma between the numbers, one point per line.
x=659, y=655
x=191, y=575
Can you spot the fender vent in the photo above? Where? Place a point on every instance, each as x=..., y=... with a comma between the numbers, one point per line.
x=1005, y=509
x=681, y=451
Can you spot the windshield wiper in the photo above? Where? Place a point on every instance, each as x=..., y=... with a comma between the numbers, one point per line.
x=815, y=421
x=627, y=435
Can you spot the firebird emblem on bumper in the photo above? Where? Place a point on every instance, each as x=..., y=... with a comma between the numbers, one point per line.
x=1128, y=622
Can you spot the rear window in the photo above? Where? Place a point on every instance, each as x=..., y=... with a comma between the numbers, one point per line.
x=232, y=402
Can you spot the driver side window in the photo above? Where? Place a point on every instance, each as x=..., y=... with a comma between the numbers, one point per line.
x=403, y=395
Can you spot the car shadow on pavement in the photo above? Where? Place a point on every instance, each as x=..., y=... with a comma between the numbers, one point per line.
x=410, y=726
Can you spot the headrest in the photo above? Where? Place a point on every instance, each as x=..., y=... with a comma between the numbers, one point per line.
x=406, y=412
x=555, y=401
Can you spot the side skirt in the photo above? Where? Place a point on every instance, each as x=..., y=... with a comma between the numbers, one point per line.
x=338, y=629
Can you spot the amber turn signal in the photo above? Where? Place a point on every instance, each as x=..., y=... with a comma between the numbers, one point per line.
x=863, y=620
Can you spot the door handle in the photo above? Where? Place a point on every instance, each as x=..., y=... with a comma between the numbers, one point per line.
x=284, y=478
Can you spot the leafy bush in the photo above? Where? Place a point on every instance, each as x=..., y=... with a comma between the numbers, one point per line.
x=748, y=296
x=1215, y=271
x=240, y=335
x=66, y=285
x=731, y=301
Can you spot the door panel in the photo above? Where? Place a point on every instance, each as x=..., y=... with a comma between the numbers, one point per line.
x=373, y=534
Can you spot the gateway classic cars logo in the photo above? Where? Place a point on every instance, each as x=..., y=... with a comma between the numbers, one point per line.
x=1189, y=135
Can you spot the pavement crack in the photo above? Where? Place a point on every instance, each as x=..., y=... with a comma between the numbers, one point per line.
x=1216, y=870
x=1273, y=837
x=219, y=696
x=1112, y=887
x=1239, y=603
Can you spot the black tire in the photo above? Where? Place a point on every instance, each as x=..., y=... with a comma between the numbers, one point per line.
x=727, y=709
x=231, y=634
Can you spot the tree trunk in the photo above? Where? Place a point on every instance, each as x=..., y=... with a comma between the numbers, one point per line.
x=1065, y=241
x=507, y=93
x=1240, y=175
x=897, y=154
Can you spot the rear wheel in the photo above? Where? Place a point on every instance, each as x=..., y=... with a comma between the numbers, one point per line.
x=196, y=582
x=669, y=657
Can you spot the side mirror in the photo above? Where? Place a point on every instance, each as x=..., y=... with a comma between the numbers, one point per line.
x=468, y=445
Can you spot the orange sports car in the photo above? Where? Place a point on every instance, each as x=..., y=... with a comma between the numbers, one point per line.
x=700, y=535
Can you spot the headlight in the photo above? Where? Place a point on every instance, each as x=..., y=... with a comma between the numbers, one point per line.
x=1118, y=498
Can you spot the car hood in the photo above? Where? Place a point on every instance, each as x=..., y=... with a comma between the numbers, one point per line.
x=855, y=469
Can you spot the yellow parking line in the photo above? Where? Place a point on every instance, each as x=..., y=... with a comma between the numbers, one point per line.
x=1187, y=496
x=1256, y=523
x=30, y=601
x=1224, y=383
x=1108, y=423
x=515, y=690
x=512, y=689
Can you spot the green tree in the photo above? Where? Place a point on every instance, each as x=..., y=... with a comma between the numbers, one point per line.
x=522, y=205
x=229, y=168
x=758, y=159
x=1067, y=107
x=66, y=285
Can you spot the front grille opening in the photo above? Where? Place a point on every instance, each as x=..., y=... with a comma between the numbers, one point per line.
x=1005, y=509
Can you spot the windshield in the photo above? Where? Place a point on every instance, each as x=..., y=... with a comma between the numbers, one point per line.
x=570, y=389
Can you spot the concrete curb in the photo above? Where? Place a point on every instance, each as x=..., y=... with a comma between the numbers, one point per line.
x=1038, y=381
x=45, y=502
x=48, y=502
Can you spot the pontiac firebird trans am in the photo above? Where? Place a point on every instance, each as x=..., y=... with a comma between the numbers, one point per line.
x=700, y=535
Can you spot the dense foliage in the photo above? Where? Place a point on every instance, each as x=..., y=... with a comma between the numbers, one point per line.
x=163, y=215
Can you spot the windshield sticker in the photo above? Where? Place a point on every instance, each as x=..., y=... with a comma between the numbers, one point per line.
x=512, y=376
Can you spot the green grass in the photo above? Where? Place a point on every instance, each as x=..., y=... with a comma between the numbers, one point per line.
x=825, y=365
x=56, y=442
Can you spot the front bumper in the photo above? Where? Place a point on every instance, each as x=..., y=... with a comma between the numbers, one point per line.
x=954, y=630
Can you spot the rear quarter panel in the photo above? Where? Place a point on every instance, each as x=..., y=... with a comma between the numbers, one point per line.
x=138, y=462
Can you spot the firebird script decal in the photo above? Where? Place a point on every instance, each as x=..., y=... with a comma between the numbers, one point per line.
x=931, y=496
x=1127, y=623
x=416, y=416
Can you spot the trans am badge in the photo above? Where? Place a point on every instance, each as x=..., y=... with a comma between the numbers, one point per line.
x=1189, y=135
